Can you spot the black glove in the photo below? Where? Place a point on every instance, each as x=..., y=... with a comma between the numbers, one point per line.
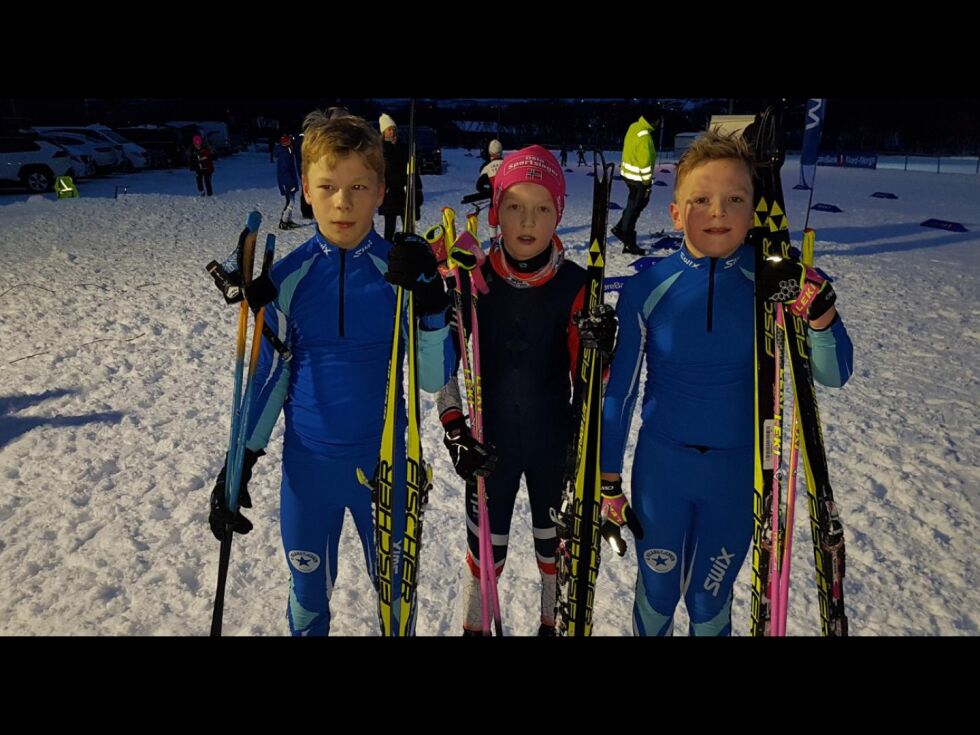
x=470, y=457
x=598, y=329
x=412, y=265
x=220, y=515
x=807, y=291
x=615, y=512
x=261, y=291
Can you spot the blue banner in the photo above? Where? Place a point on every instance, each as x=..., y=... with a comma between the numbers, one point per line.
x=815, y=111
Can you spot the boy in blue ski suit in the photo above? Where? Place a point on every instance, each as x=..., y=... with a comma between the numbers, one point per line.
x=334, y=313
x=691, y=316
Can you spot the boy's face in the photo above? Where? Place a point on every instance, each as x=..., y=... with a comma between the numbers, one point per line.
x=714, y=207
x=343, y=198
x=527, y=218
x=391, y=133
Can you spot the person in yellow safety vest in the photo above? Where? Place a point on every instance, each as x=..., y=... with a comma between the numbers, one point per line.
x=639, y=157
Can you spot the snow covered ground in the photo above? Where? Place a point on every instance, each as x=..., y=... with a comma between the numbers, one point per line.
x=115, y=361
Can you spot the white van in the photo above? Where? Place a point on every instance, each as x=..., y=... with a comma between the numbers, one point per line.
x=682, y=141
x=727, y=124
x=218, y=137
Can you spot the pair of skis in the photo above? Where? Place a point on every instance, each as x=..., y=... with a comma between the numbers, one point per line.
x=578, y=521
x=400, y=621
x=781, y=333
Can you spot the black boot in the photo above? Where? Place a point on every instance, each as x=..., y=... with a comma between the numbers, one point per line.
x=630, y=247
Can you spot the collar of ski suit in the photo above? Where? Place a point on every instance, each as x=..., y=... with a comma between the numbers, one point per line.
x=704, y=262
x=498, y=259
x=329, y=248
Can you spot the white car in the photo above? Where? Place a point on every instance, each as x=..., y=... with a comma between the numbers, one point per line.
x=31, y=162
x=137, y=156
x=100, y=140
x=92, y=156
x=81, y=169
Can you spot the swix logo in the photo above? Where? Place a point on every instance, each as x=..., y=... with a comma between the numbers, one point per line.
x=731, y=262
x=721, y=564
x=688, y=260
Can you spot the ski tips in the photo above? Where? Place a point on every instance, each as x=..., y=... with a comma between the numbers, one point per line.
x=254, y=220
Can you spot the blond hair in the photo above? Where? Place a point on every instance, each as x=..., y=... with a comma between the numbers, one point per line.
x=337, y=137
x=714, y=146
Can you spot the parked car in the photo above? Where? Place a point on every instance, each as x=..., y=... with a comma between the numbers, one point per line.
x=32, y=163
x=102, y=157
x=136, y=155
x=164, y=144
x=119, y=157
x=82, y=151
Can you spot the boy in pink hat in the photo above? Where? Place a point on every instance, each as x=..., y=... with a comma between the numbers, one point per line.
x=529, y=344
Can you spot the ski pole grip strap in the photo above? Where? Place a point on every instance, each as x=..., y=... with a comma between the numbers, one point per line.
x=467, y=254
x=816, y=296
x=227, y=283
x=276, y=343
x=436, y=237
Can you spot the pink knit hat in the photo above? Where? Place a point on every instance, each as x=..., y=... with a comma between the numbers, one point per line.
x=531, y=165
